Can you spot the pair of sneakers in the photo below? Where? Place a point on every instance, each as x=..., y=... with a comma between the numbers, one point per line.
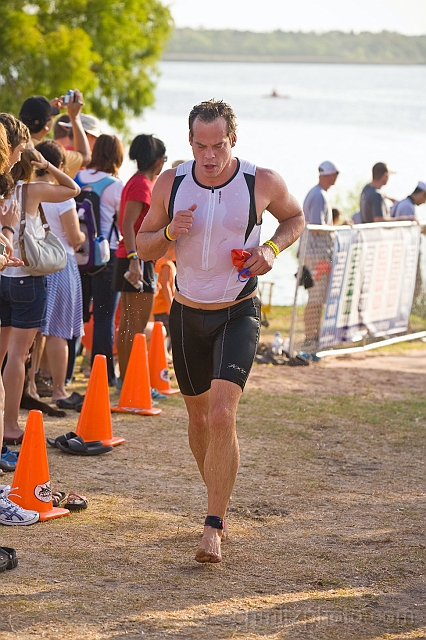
x=12, y=514
x=8, y=459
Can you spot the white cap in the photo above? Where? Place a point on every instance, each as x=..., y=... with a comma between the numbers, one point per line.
x=90, y=124
x=327, y=168
x=422, y=186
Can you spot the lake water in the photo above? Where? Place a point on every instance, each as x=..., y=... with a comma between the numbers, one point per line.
x=354, y=115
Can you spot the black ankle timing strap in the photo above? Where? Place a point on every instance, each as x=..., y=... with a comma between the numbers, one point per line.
x=214, y=521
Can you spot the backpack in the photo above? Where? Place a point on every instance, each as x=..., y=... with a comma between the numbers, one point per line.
x=94, y=253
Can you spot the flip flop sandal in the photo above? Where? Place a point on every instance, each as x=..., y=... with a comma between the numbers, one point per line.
x=74, y=502
x=53, y=442
x=8, y=559
x=70, y=403
x=76, y=446
x=58, y=498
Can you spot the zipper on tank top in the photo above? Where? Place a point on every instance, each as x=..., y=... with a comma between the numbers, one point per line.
x=208, y=231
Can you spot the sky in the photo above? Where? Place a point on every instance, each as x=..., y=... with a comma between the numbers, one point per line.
x=404, y=16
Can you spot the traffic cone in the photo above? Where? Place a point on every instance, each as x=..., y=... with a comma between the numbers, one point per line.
x=31, y=479
x=135, y=396
x=95, y=417
x=157, y=357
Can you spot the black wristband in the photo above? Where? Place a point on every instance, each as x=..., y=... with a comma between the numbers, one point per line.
x=215, y=522
x=6, y=226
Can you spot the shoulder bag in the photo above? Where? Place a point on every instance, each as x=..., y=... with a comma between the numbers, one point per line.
x=40, y=256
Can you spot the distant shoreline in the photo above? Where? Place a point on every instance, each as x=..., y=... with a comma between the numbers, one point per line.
x=333, y=47
x=200, y=57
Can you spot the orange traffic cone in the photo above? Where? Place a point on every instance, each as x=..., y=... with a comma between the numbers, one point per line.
x=95, y=417
x=31, y=479
x=157, y=357
x=135, y=396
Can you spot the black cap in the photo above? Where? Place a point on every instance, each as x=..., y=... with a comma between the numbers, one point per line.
x=36, y=112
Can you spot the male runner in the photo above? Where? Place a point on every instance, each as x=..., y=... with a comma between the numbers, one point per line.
x=209, y=207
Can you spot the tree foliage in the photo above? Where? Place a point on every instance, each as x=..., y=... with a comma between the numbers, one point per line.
x=334, y=46
x=106, y=48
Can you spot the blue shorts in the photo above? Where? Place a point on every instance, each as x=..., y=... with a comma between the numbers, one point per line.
x=210, y=345
x=23, y=301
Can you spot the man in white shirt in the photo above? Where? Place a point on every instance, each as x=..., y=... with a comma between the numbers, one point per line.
x=317, y=209
x=406, y=209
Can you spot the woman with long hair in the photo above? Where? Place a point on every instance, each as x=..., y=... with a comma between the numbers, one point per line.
x=107, y=158
x=23, y=296
x=138, y=287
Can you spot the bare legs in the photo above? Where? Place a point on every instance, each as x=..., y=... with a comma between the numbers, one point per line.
x=57, y=355
x=135, y=311
x=16, y=343
x=36, y=356
x=214, y=444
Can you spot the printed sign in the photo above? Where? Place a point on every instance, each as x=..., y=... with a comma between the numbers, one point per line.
x=371, y=284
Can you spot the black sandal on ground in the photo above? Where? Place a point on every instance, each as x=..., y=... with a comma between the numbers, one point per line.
x=8, y=559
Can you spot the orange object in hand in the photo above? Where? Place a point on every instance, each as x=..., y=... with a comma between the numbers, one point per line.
x=239, y=257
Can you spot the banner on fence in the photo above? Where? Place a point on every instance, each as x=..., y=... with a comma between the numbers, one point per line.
x=372, y=282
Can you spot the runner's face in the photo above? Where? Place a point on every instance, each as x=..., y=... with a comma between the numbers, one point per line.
x=212, y=149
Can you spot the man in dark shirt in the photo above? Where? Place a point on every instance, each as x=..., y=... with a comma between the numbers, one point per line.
x=373, y=207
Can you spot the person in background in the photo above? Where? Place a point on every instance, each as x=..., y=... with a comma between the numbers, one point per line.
x=406, y=209
x=209, y=207
x=9, y=216
x=337, y=217
x=63, y=131
x=318, y=210
x=149, y=153
x=37, y=113
x=64, y=313
x=166, y=271
x=23, y=296
x=373, y=206
x=107, y=158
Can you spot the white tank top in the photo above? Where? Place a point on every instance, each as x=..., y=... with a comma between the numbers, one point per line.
x=225, y=219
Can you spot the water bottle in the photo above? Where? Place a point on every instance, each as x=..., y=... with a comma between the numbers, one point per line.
x=277, y=344
x=137, y=286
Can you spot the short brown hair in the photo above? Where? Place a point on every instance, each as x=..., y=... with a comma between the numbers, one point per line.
x=379, y=170
x=209, y=110
x=16, y=131
x=107, y=154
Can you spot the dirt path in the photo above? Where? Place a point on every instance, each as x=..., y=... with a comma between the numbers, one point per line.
x=327, y=520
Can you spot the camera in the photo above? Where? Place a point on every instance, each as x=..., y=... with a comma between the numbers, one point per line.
x=69, y=97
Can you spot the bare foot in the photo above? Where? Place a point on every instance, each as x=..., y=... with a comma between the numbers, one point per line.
x=32, y=391
x=14, y=433
x=209, y=550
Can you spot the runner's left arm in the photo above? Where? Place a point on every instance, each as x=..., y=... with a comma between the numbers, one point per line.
x=273, y=195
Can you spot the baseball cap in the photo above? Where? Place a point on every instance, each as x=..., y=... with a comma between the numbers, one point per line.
x=36, y=112
x=327, y=168
x=422, y=186
x=90, y=124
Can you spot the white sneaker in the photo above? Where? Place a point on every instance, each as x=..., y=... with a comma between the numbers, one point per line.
x=11, y=513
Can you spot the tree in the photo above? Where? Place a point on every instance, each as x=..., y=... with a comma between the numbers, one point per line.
x=106, y=48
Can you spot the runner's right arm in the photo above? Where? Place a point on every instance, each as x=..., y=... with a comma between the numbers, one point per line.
x=151, y=241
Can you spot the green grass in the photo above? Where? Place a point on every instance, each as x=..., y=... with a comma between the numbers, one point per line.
x=279, y=319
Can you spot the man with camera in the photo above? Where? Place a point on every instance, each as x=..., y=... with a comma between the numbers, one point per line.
x=37, y=113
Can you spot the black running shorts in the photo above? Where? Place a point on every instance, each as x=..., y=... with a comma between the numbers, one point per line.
x=210, y=345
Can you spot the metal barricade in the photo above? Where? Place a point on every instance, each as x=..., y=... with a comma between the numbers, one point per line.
x=358, y=288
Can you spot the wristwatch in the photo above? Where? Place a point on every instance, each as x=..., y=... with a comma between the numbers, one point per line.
x=134, y=257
